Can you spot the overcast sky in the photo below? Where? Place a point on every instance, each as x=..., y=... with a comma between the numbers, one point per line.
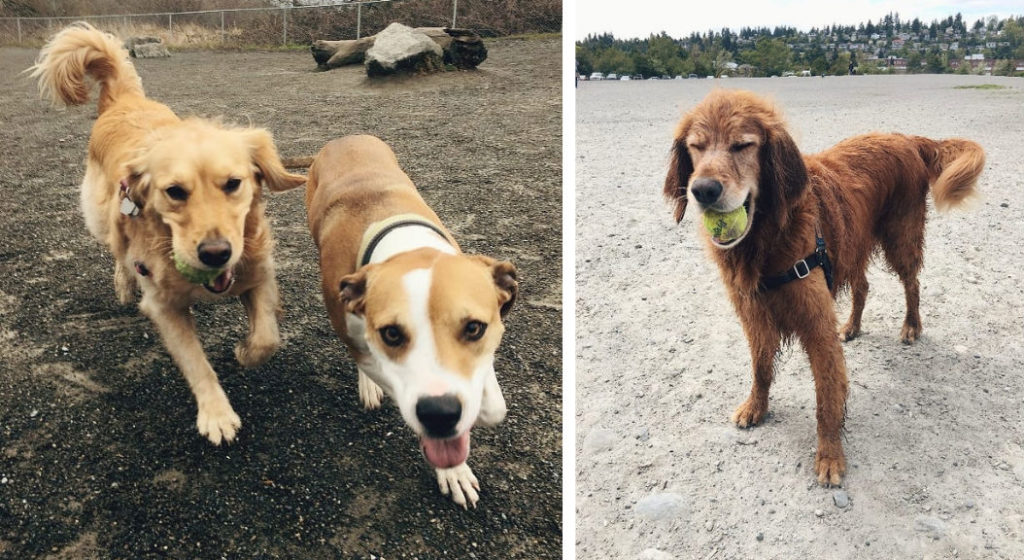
x=640, y=18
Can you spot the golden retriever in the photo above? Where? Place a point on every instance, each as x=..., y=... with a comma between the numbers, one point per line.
x=179, y=204
x=812, y=223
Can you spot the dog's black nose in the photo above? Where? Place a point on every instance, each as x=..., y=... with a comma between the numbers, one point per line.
x=706, y=190
x=214, y=253
x=439, y=415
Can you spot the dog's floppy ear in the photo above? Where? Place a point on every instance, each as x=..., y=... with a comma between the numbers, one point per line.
x=783, y=173
x=679, y=171
x=272, y=173
x=506, y=281
x=352, y=291
x=138, y=180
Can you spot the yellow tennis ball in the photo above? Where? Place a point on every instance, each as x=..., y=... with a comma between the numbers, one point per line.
x=725, y=227
x=195, y=275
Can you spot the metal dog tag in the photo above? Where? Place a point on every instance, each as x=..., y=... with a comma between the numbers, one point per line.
x=129, y=208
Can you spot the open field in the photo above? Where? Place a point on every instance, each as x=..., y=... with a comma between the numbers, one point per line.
x=99, y=455
x=935, y=438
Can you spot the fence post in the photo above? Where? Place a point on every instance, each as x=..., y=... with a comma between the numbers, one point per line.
x=223, y=33
x=19, y=30
x=455, y=11
x=170, y=29
x=285, y=31
x=359, y=19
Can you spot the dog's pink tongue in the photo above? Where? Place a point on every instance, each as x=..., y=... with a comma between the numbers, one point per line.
x=222, y=282
x=446, y=453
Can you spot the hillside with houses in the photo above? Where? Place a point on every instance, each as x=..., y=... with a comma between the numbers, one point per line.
x=891, y=45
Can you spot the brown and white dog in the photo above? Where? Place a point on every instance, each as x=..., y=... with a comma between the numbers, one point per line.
x=179, y=204
x=421, y=319
x=864, y=196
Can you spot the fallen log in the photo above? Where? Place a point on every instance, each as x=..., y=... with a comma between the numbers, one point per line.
x=463, y=48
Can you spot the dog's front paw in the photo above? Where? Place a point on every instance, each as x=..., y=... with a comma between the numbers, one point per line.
x=750, y=413
x=251, y=353
x=830, y=469
x=910, y=333
x=460, y=483
x=124, y=285
x=370, y=394
x=218, y=421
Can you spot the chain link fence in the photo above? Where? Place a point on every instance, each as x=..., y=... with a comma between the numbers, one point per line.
x=301, y=25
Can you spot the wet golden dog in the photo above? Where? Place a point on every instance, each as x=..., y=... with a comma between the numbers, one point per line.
x=865, y=195
x=179, y=204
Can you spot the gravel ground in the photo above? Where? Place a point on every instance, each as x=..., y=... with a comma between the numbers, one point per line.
x=99, y=455
x=934, y=431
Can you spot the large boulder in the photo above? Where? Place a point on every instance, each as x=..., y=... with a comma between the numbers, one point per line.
x=400, y=48
x=146, y=47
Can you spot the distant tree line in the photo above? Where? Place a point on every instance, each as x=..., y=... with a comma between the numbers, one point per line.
x=891, y=43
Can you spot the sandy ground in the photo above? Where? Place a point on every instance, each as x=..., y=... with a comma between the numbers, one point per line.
x=935, y=434
x=99, y=455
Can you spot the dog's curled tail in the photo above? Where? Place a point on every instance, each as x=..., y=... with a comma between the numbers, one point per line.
x=953, y=167
x=81, y=49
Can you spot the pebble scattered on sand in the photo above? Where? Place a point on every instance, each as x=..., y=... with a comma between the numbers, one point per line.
x=660, y=506
x=655, y=554
x=600, y=440
x=932, y=526
x=841, y=498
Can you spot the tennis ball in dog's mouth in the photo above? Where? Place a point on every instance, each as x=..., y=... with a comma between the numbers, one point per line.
x=195, y=275
x=726, y=227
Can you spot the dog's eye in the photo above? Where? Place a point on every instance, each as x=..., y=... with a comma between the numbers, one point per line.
x=697, y=147
x=176, y=192
x=740, y=146
x=232, y=185
x=474, y=330
x=392, y=335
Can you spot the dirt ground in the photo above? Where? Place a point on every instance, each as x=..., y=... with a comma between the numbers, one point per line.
x=99, y=454
x=935, y=438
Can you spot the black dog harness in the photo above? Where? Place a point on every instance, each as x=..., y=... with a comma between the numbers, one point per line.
x=803, y=267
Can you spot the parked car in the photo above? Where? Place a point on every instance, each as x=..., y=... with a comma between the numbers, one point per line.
x=692, y=76
x=624, y=79
x=597, y=76
x=612, y=76
x=679, y=77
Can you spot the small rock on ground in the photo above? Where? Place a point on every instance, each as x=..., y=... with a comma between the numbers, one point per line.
x=934, y=527
x=660, y=506
x=841, y=498
x=655, y=554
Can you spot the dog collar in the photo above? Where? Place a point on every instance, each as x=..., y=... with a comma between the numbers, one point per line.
x=128, y=206
x=377, y=230
x=803, y=267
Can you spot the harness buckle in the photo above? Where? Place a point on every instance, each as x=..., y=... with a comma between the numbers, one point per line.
x=796, y=268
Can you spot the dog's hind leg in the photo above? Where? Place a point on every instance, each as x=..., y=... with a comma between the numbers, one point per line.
x=764, y=339
x=264, y=338
x=903, y=245
x=216, y=419
x=859, y=289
